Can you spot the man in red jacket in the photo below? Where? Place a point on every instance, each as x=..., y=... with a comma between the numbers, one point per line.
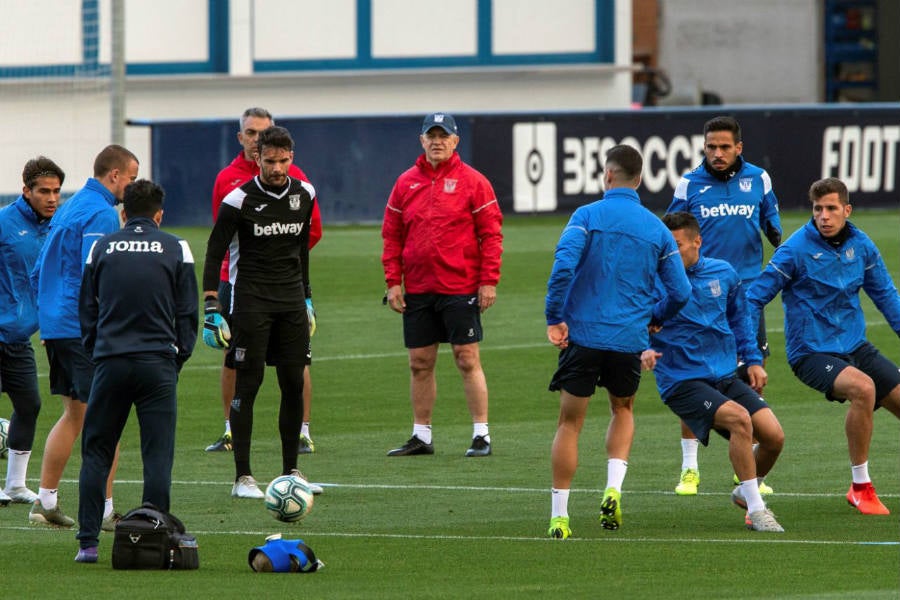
x=442, y=246
x=240, y=170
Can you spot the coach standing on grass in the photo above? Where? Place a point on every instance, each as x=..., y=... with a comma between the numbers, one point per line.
x=138, y=310
x=820, y=271
x=265, y=222
x=442, y=247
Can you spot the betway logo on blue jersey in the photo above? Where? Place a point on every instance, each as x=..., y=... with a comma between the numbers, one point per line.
x=727, y=210
x=277, y=228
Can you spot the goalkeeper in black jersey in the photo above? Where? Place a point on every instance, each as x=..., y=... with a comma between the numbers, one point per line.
x=264, y=224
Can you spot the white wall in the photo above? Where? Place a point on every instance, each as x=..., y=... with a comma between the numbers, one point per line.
x=758, y=52
x=71, y=129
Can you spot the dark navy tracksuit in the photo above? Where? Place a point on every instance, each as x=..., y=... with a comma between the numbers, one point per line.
x=139, y=318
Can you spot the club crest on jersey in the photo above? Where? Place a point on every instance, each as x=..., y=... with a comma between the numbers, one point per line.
x=746, y=184
x=449, y=186
x=715, y=288
x=849, y=253
x=294, y=201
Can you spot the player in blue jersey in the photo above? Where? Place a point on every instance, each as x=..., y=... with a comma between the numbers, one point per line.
x=733, y=201
x=83, y=219
x=820, y=271
x=23, y=227
x=695, y=355
x=600, y=301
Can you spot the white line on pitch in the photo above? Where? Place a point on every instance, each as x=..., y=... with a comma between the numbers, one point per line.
x=484, y=348
x=473, y=488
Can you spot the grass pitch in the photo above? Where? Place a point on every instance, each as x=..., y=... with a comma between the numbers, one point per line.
x=446, y=526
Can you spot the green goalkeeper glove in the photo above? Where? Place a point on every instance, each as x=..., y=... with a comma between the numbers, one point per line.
x=311, y=316
x=216, y=332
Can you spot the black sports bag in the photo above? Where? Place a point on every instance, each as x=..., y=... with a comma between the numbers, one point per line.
x=150, y=538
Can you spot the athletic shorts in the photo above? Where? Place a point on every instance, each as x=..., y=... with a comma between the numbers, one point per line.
x=439, y=318
x=18, y=369
x=269, y=338
x=820, y=370
x=71, y=369
x=697, y=401
x=581, y=369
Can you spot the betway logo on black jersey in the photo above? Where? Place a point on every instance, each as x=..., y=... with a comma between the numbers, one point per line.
x=277, y=228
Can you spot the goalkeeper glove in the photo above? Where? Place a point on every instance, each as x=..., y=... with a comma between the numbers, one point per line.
x=311, y=316
x=216, y=332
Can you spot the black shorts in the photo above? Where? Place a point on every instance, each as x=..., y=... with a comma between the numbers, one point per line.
x=272, y=338
x=696, y=402
x=581, y=369
x=820, y=370
x=438, y=318
x=71, y=369
x=18, y=369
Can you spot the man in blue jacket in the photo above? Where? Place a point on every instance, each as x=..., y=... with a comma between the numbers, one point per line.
x=819, y=271
x=23, y=227
x=139, y=317
x=733, y=201
x=83, y=219
x=695, y=355
x=600, y=301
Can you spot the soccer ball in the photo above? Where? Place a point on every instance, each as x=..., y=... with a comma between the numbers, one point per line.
x=288, y=498
x=4, y=438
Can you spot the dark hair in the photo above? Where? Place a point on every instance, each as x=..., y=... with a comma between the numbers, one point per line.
x=112, y=157
x=142, y=198
x=255, y=111
x=626, y=159
x=829, y=185
x=682, y=220
x=275, y=137
x=41, y=167
x=723, y=124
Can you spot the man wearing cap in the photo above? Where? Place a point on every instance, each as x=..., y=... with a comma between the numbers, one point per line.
x=442, y=246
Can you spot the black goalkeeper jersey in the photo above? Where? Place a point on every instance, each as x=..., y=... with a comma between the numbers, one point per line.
x=267, y=236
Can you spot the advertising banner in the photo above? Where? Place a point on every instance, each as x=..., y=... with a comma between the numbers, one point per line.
x=546, y=163
x=554, y=163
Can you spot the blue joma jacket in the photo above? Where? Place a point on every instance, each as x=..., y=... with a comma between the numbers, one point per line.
x=731, y=214
x=819, y=287
x=705, y=339
x=139, y=294
x=83, y=219
x=22, y=234
x=604, y=276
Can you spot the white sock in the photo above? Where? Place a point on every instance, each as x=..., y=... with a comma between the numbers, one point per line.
x=861, y=473
x=15, y=470
x=482, y=430
x=750, y=492
x=423, y=432
x=107, y=507
x=689, y=453
x=559, y=503
x=48, y=498
x=227, y=427
x=615, y=473
x=304, y=429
